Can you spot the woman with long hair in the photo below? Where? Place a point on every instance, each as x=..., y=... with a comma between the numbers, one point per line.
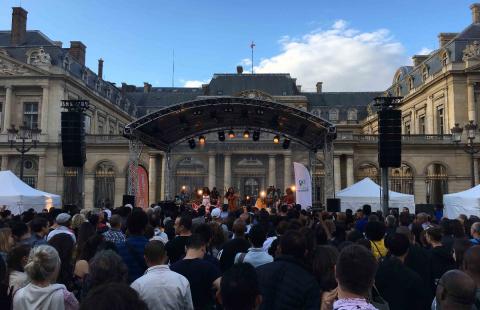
x=6, y=242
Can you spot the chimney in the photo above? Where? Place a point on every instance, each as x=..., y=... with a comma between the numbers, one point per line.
x=19, y=26
x=319, y=87
x=58, y=43
x=299, y=88
x=475, y=13
x=146, y=87
x=239, y=69
x=418, y=59
x=445, y=37
x=78, y=50
x=100, y=69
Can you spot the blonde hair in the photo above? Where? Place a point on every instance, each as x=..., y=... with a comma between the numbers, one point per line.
x=43, y=262
x=5, y=234
x=77, y=220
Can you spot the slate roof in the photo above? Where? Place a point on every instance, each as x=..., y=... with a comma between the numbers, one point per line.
x=340, y=99
x=32, y=38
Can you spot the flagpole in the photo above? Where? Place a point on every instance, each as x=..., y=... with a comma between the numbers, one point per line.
x=252, y=46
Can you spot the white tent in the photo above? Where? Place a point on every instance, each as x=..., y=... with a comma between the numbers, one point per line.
x=466, y=202
x=19, y=197
x=368, y=192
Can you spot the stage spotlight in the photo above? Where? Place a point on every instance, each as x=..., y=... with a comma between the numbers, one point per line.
x=286, y=144
x=221, y=135
x=246, y=134
x=276, y=139
x=191, y=143
x=201, y=139
x=231, y=134
x=256, y=135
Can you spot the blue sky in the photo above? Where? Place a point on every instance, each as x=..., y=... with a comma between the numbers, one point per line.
x=331, y=41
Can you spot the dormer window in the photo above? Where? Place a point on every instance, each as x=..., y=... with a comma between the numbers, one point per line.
x=85, y=76
x=66, y=63
x=117, y=101
x=352, y=114
x=98, y=86
x=398, y=91
x=424, y=73
x=109, y=92
x=410, y=83
x=444, y=58
x=316, y=112
x=333, y=114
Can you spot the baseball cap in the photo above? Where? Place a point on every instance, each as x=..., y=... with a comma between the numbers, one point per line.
x=62, y=218
x=216, y=212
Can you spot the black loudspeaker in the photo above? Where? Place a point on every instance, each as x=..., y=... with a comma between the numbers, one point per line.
x=73, y=139
x=333, y=205
x=389, y=138
x=128, y=199
x=428, y=208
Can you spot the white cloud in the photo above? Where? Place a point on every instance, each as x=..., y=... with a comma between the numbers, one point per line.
x=193, y=83
x=246, y=62
x=345, y=59
x=424, y=51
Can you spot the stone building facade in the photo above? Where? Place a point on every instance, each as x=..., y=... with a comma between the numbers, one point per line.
x=36, y=73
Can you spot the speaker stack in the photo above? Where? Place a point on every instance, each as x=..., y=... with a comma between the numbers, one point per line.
x=389, y=138
x=73, y=139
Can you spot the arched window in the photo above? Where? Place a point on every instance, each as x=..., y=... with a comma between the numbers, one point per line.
x=437, y=183
x=72, y=184
x=318, y=183
x=352, y=114
x=424, y=73
x=30, y=171
x=368, y=171
x=333, y=115
x=401, y=179
x=191, y=173
x=444, y=57
x=104, y=185
x=410, y=83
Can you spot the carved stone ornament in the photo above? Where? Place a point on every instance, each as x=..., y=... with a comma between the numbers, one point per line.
x=255, y=94
x=8, y=68
x=472, y=51
x=3, y=52
x=40, y=57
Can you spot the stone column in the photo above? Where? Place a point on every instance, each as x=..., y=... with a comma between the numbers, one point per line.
x=44, y=111
x=349, y=170
x=4, y=162
x=95, y=122
x=337, y=173
x=287, y=171
x=152, y=178
x=272, y=173
x=164, y=175
x=227, y=173
x=211, y=171
x=41, y=172
x=475, y=171
x=7, y=110
x=471, y=102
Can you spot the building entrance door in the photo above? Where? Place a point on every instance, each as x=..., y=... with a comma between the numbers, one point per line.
x=251, y=187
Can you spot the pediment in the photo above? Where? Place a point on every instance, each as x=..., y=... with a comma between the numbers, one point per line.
x=12, y=67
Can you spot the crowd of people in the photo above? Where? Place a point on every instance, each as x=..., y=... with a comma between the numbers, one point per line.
x=171, y=256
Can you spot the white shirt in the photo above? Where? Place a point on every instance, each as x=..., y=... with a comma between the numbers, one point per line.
x=161, y=288
x=255, y=256
x=61, y=230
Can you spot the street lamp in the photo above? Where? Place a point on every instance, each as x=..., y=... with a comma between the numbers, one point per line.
x=23, y=133
x=469, y=148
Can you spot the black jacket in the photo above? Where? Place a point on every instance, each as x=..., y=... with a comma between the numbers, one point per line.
x=400, y=286
x=286, y=284
x=440, y=261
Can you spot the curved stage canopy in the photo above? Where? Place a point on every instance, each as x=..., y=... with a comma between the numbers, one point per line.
x=171, y=125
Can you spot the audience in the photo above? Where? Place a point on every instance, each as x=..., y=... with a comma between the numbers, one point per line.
x=63, y=227
x=455, y=291
x=256, y=256
x=239, y=288
x=183, y=230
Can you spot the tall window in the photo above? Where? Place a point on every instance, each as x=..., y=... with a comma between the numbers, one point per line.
x=368, y=171
x=333, y=115
x=444, y=58
x=104, y=185
x=440, y=120
x=401, y=179
x=407, y=129
x=352, y=114
x=318, y=183
x=72, y=182
x=87, y=123
x=1, y=115
x=30, y=114
x=436, y=182
x=424, y=73
x=421, y=124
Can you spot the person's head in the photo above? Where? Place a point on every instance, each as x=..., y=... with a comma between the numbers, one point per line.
x=471, y=262
x=19, y=231
x=107, y=267
x=6, y=239
x=183, y=224
x=375, y=231
x=205, y=231
x=293, y=243
x=475, y=230
x=355, y=270
x=434, y=235
x=359, y=214
x=218, y=235
x=239, y=228
x=136, y=222
x=323, y=268
x=367, y=210
x=39, y=226
x=460, y=246
x=257, y=236
x=405, y=231
x=456, y=290
x=422, y=218
x=116, y=221
x=112, y=296
x=77, y=220
x=43, y=264
x=63, y=219
x=18, y=257
x=196, y=246
x=397, y=245
x=390, y=221
x=85, y=231
x=239, y=288
x=155, y=253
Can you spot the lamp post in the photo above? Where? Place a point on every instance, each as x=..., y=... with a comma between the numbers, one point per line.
x=23, y=133
x=469, y=148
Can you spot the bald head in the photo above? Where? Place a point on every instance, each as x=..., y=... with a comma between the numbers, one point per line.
x=471, y=262
x=475, y=230
x=456, y=290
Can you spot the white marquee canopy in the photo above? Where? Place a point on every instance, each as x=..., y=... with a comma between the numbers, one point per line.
x=466, y=202
x=368, y=192
x=19, y=197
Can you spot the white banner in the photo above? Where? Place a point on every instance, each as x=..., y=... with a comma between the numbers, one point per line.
x=303, y=185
